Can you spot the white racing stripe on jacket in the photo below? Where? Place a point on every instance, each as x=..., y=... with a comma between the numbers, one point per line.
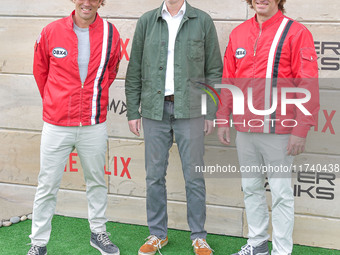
x=269, y=74
x=99, y=73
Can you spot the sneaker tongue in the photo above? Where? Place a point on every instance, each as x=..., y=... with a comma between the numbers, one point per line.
x=202, y=243
x=246, y=249
x=34, y=250
x=152, y=240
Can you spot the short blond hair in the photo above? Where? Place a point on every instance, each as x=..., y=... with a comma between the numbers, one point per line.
x=281, y=5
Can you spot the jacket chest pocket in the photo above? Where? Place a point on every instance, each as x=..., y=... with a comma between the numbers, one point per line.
x=195, y=51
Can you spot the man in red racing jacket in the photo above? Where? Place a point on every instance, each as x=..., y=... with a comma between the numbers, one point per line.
x=75, y=62
x=67, y=101
x=271, y=87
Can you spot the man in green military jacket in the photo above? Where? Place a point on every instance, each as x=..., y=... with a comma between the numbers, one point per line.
x=175, y=54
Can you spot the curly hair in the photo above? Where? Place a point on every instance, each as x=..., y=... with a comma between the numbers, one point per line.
x=102, y=4
x=281, y=4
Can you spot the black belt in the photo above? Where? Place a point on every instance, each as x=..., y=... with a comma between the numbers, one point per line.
x=170, y=98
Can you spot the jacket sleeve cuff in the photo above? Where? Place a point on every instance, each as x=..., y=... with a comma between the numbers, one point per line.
x=134, y=116
x=300, y=131
x=222, y=122
x=210, y=116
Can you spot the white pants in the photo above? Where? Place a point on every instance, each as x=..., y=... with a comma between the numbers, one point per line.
x=57, y=142
x=270, y=150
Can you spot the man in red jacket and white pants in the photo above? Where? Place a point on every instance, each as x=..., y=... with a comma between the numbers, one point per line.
x=270, y=66
x=75, y=62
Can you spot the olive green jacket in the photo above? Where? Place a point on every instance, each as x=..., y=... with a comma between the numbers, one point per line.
x=197, y=61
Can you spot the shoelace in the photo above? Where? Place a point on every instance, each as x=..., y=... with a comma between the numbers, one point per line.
x=201, y=243
x=34, y=250
x=245, y=249
x=154, y=239
x=104, y=238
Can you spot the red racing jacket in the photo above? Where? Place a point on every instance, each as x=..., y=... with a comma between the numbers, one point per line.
x=276, y=62
x=66, y=101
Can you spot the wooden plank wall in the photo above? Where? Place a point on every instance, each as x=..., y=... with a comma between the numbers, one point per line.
x=317, y=196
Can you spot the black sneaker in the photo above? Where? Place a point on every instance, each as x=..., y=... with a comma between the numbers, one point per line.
x=103, y=244
x=36, y=250
x=247, y=249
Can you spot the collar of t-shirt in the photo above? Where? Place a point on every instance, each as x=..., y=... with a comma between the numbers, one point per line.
x=173, y=25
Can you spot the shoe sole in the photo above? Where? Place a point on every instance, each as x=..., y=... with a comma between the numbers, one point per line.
x=45, y=253
x=101, y=251
x=209, y=254
x=154, y=252
x=266, y=253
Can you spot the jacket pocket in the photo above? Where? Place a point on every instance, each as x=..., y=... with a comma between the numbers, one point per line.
x=195, y=51
x=309, y=66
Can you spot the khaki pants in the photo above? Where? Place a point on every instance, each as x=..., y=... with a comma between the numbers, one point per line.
x=269, y=150
x=57, y=142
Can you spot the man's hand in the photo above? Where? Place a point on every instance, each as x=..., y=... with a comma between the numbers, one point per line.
x=134, y=126
x=223, y=134
x=296, y=145
x=208, y=127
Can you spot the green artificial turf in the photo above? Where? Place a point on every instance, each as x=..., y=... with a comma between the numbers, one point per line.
x=72, y=236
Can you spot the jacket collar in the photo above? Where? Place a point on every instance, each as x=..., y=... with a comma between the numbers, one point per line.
x=69, y=21
x=267, y=23
x=189, y=13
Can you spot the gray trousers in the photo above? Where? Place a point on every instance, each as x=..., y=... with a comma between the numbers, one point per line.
x=158, y=137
